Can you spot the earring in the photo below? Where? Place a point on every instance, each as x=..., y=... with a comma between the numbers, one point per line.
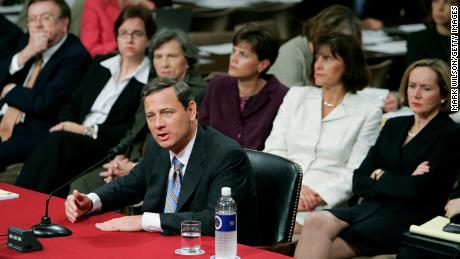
x=443, y=100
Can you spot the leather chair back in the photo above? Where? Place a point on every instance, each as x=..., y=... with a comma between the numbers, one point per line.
x=278, y=181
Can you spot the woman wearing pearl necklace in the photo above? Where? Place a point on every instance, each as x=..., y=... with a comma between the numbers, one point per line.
x=327, y=129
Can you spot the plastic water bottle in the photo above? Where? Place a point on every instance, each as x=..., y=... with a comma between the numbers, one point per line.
x=226, y=226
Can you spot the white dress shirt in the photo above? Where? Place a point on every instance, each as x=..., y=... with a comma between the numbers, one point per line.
x=112, y=89
x=15, y=67
x=150, y=220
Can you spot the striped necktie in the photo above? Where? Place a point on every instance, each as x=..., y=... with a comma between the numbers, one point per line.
x=174, y=185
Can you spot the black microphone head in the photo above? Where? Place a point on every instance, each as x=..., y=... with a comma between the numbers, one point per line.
x=118, y=149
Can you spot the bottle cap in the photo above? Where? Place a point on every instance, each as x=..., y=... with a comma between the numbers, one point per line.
x=226, y=191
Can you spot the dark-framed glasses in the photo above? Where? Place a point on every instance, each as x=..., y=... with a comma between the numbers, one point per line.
x=135, y=34
x=45, y=19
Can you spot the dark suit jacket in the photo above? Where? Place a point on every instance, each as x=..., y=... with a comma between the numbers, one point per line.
x=419, y=197
x=120, y=117
x=398, y=200
x=216, y=161
x=55, y=84
x=221, y=110
x=428, y=44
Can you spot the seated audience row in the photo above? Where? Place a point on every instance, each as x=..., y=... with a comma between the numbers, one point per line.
x=38, y=80
x=324, y=126
x=405, y=178
x=100, y=111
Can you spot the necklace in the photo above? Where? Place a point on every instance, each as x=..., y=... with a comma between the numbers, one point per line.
x=410, y=134
x=328, y=104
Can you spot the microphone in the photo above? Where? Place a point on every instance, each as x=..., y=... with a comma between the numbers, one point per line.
x=46, y=228
x=117, y=150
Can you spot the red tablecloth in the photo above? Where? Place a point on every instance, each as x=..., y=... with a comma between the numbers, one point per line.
x=89, y=242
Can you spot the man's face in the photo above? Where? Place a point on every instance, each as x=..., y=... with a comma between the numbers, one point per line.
x=45, y=17
x=170, y=123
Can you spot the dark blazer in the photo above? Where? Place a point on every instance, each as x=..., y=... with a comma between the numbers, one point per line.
x=216, y=161
x=397, y=199
x=428, y=44
x=220, y=109
x=120, y=118
x=55, y=84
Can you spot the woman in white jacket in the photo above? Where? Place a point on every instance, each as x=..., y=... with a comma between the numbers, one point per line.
x=327, y=129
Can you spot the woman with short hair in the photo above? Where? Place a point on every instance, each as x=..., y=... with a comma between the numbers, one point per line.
x=244, y=104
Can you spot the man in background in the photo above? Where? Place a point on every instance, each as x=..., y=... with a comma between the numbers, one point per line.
x=38, y=80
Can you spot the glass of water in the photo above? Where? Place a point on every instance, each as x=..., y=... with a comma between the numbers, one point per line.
x=190, y=237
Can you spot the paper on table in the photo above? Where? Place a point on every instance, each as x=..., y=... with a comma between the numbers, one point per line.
x=433, y=228
x=220, y=49
x=6, y=195
x=374, y=37
x=205, y=61
x=392, y=47
x=412, y=27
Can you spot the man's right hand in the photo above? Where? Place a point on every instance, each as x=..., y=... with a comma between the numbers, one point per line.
x=76, y=205
x=38, y=43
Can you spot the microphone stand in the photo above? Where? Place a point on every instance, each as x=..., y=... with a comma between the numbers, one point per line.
x=46, y=228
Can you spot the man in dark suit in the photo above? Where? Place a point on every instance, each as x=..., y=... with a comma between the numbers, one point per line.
x=39, y=79
x=197, y=159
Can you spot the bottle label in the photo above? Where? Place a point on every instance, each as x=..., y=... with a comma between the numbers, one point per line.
x=225, y=223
